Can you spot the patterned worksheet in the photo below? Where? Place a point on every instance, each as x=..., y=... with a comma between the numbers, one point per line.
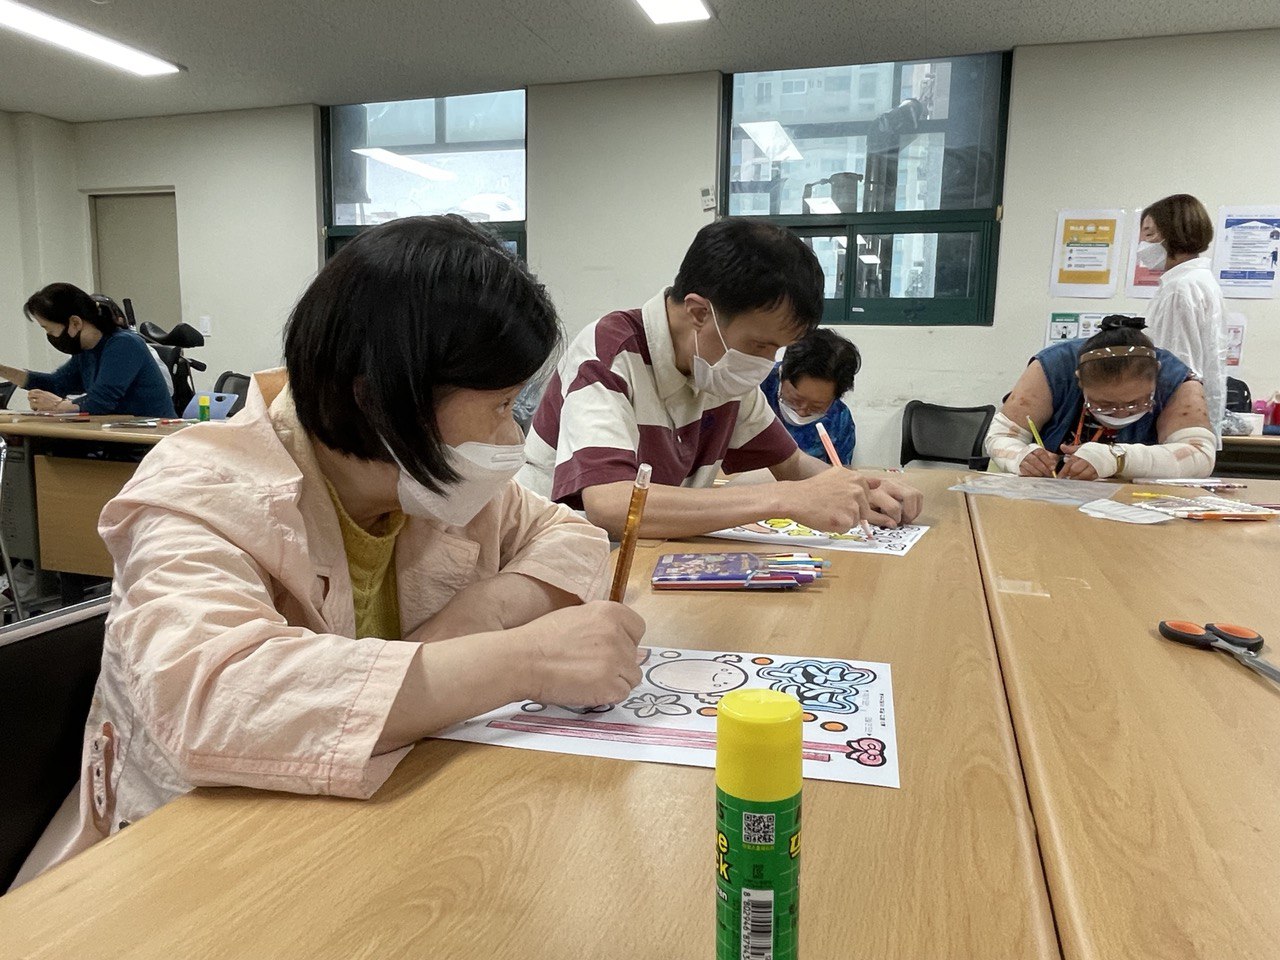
x=671, y=716
x=789, y=534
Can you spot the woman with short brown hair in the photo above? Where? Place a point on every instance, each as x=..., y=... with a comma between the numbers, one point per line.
x=1187, y=316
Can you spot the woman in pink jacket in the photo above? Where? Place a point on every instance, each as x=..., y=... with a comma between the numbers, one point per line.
x=303, y=591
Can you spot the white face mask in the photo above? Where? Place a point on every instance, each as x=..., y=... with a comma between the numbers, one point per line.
x=793, y=418
x=733, y=375
x=1115, y=423
x=1152, y=255
x=484, y=469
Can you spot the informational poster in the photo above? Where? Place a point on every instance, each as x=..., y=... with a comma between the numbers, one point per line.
x=1075, y=326
x=1236, y=324
x=1086, y=260
x=1139, y=281
x=1247, y=250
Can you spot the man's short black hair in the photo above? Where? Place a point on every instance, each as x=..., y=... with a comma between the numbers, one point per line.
x=403, y=310
x=823, y=355
x=740, y=265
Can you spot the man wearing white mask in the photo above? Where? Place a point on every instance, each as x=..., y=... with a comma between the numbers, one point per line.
x=805, y=388
x=305, y=590
x=676, y=384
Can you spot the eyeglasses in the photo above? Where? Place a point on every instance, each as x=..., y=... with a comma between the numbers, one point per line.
x=1124, y=410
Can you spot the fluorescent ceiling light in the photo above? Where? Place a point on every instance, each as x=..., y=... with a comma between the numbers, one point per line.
x=408, y=164
x=772, y=140
x=49, y=29
x=675, y=11
x=868, y=258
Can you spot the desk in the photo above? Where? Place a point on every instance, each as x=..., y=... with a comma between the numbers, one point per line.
x=1153, y=769
x=474, y=851
x=70, y=489
x=1249, y=457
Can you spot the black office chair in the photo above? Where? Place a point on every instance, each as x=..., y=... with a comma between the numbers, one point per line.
x=48, y=668
x=237, y=383
x=1239, y=399
x=931, y=431
x=6, y=394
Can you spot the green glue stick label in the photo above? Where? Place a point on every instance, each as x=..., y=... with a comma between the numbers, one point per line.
x=757, y=878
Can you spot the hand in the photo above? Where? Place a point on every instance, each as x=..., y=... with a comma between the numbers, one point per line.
x=1038, y=463
x=834, y=500
x=43, y=400
x=1069, y=448
x=1077, y=468
x=907, y=502
x=885, y=510
x=584, y=654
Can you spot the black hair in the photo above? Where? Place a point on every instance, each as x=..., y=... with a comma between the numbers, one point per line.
x=117, y=315
x=740, y=264
x=59, y=302
x=401, y=311
x=1118, y=330
x=823, y=355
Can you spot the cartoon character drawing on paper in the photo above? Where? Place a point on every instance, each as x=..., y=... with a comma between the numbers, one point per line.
x=829, y=685
x=706, y=680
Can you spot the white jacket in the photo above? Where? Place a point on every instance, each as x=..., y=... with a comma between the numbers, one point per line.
x=1188, y=318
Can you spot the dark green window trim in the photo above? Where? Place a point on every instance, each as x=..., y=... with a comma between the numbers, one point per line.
x=977, y=310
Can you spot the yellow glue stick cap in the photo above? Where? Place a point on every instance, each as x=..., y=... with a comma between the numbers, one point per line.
x=758, y=745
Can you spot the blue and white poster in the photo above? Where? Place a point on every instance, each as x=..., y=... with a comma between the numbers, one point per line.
x=1247, y=251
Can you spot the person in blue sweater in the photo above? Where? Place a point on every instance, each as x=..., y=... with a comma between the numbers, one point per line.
x=110, y=370
x=805, y=390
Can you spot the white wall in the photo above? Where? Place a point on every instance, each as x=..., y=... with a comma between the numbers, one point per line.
x=13, y=290
x=247, y=185
x=614, y=173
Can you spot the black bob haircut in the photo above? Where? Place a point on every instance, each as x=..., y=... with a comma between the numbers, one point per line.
x=823, y=355
x=740, y=265
x=405, y=310
x=59, y=302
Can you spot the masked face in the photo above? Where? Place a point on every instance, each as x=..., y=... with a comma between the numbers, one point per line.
x=61, y=338
x=806, y=400
x=1152, y=256
x=1125, y=404
x=483, y=445
x=484, y=469
x=735, y=374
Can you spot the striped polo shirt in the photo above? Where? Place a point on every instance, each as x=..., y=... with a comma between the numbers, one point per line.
x=617, y=399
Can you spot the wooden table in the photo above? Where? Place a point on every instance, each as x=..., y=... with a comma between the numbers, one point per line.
x=480, y=851
x=1249, y=457
x=1153, y=769
x=71, y=489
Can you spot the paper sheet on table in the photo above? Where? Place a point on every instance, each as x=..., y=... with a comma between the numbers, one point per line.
x=1124, y=512
x=789, y=534
x=1071, y=493
x=1207, y=483
x=849, y=732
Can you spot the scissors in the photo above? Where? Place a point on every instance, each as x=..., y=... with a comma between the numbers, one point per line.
x=1242, y=643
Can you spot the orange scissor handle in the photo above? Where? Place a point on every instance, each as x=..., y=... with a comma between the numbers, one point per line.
x=1233, y=633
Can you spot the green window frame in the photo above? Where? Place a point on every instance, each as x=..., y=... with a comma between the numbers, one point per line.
x=976, y=307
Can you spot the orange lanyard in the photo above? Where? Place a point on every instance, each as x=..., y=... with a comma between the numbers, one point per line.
x=1080, y=431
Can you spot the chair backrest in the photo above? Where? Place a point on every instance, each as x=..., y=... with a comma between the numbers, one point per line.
x=6, y=394
x=931, y=431
x=220, y=405
x=1239, y=398
x=48, y=668
x=237, y=383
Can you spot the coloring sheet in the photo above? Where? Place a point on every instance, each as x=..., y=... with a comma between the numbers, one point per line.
x=1073, y=493
x=671, y=716
x=789, y=534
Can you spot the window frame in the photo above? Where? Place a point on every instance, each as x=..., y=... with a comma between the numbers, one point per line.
x=978, y=310
x=335, y=235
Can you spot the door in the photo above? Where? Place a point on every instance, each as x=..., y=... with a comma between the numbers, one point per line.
x=135, y=253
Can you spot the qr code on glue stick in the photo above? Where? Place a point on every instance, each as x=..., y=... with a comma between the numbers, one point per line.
x=757, y=828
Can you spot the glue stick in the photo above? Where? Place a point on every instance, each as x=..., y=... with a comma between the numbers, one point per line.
x=204, y=408
x=758, y=778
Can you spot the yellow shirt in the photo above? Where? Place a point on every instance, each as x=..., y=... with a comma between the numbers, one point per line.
x=371, y=559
